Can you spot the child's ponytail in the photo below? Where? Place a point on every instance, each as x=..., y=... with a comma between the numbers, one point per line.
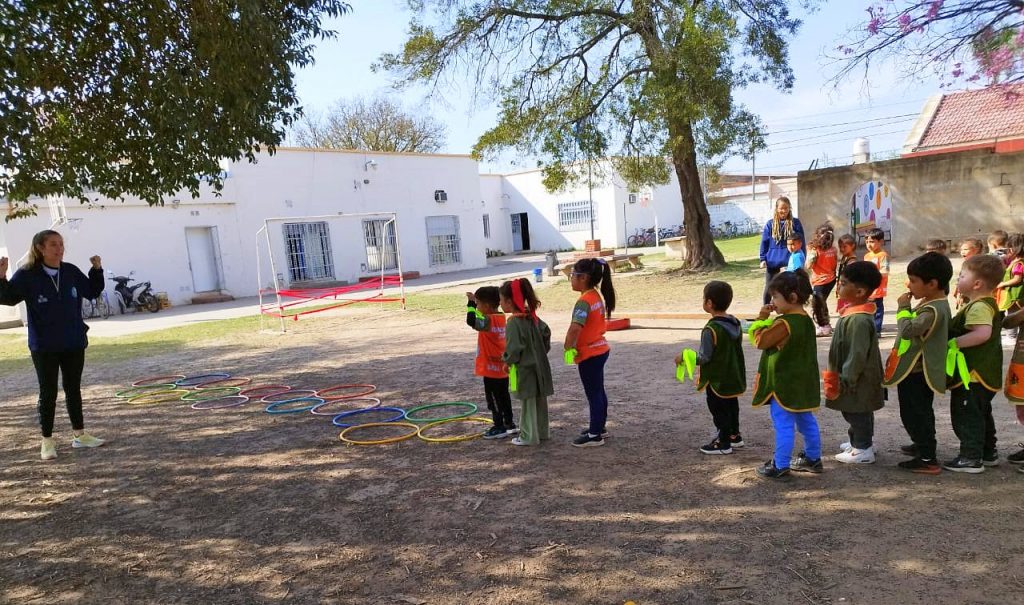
x=597, y=271
x=607, y=290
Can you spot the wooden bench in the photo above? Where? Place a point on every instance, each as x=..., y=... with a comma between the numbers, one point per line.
x=617, y=262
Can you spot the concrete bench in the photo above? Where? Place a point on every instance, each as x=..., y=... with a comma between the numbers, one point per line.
x=675, y=247
x=617, y=262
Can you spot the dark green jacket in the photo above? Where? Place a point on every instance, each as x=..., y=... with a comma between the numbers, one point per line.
x=526, y=347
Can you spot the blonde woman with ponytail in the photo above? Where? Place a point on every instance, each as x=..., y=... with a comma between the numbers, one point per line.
x=774, y=255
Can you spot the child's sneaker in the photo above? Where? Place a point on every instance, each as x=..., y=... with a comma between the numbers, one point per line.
x=518, y=441
x=512, y=430
x=770, y=471
x=86, y=440
x=921, y=467
x=910, y=450
x=803, y=464
x=1020, y=469
x=604, y=434
x=964, y=465
x=48, y=450
x=716, y=448
x=1017, y=458
x=588, y=440
x=736, y=441
x=856, y=456
x=991, y=459
x=496, y=432
x=845, y=447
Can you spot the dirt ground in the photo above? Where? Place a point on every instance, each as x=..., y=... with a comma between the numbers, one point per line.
x=238, y=506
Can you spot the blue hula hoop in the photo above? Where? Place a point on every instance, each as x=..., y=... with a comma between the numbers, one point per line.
x=399, y=414
x=191, y=381
x=273, y=408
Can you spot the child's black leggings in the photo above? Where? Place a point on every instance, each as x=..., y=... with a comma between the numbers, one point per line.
x=499, y=402
x=725, y=411
x=69, y=365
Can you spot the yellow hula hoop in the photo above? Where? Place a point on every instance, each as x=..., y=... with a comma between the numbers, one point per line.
x=455, y=439
x=401, y=437
x=158, y=397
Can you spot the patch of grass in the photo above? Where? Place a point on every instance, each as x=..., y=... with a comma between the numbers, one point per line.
x=739, y=248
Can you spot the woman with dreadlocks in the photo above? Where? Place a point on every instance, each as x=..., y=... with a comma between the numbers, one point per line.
x=774, y=255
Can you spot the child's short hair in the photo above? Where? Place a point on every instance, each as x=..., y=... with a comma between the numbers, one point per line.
x=847, y=240
x=997, y=238
x=932, y=266
x=529, y=297
x=986, y=267
x=719, y=294
x=875, y=234
x=863, y=274
x=795, y=237
x=1015, y=245
x=975, y=243
x=936, y=245
x=489, y=295
x=792, y=283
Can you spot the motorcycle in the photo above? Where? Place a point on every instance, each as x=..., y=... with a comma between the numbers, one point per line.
x=137, y=296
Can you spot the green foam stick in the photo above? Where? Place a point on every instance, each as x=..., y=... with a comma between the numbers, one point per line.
x=570, y=356
x=513, y=377
x=685, y=369
x=757, y=325
x=957, y=363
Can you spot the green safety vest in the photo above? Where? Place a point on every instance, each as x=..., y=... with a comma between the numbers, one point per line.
x=932, y=347
x=985, y=361
x=790, y=374
x=725, y=373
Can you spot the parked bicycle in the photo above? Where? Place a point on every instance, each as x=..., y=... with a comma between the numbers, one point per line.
x=96, y=307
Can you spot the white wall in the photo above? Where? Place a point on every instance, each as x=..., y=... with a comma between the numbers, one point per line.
x=495, y=205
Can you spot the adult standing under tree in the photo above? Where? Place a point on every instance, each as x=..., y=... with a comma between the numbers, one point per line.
x=774, y=255
x=53, y=291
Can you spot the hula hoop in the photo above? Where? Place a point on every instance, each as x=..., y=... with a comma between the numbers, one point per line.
x=289, y=395
x=158, y=397
x=455, y=439
x=208, y=394
x=149, y=388
x=328, y=402
x=152, y=380
x=465, y=404
x=224, y=402
x=198, y=379
x=401, y=437
x=257, y=392
x=323, y=393
x=398, y=416
x=224, y=382
x=274, y=409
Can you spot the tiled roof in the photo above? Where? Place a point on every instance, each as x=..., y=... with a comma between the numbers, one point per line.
x=974, y=116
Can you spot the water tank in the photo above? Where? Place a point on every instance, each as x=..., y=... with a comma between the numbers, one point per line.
x=861, y=151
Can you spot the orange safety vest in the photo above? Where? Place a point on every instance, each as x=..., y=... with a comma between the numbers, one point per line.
x=591, y=342
x=490, y=346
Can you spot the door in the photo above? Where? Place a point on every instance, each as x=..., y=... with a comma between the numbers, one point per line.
x=203, y=258
x=520, y=232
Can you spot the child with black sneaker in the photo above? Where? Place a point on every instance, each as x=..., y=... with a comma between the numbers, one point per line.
x=483, y=316
x=917, y=363
x=527, y=342
x=978, y=373
x=722, y=375
x=853, y=380
x=787, y=375
x=585, y=344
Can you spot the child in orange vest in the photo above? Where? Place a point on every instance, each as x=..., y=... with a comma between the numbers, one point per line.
x=483, y=316
x=585, y=344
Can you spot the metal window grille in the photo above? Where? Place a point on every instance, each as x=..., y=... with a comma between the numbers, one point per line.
x=443, y=240
x=309, y=251
x=574, y=216
x=487, y=226
x=379, y=241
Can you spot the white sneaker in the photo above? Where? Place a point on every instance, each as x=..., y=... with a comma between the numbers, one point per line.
x=519, y=441
x=48, y=450
x=86, y=440
x=845, y=447
x=855, y=456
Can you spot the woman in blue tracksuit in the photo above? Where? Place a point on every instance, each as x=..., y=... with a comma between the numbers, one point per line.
x=52, y=291
x=774, y=255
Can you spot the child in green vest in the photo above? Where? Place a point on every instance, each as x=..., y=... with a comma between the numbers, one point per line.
x=787, y=375
x=978, y=371
x=917, y=362
x=853, y=380
x=722, y=375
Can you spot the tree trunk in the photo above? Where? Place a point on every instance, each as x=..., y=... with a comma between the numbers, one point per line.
x=701, y=252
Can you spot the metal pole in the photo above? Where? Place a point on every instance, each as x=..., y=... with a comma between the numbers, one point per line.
x=273, y=270
x=398, y=254
x=625, y=230
x=590, y=188
x=259, y=274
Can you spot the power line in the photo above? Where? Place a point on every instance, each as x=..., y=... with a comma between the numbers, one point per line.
x=828, y=134
x=904, y=115
x=832, y=113
x=876, y=134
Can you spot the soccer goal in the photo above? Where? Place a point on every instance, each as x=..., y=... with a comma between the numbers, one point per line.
x=319, y=263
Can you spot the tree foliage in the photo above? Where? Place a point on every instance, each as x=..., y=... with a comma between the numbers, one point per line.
x=968, y=40
x=145, y=98
x=592, y=78
x=377, y=125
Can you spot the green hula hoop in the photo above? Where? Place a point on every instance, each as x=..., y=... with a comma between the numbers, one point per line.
x=470, y=407
x=208, y=394
x=456, y=438
x=158, y=397
x=149, y=388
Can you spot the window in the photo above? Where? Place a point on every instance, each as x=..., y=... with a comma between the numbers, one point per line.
x=379, y=241
x=633, y=197
x=487, y=226
x=443, y=240
x=574, y=216
x=309, y=251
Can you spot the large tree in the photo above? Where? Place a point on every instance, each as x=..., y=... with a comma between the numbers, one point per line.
x=580, y=80
x=962, y=40
x=145, y=97
x=376, y=125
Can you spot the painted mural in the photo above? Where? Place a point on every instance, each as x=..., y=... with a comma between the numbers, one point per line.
x=871, y=206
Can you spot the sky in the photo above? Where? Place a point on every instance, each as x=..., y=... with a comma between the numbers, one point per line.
x=814, y=121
